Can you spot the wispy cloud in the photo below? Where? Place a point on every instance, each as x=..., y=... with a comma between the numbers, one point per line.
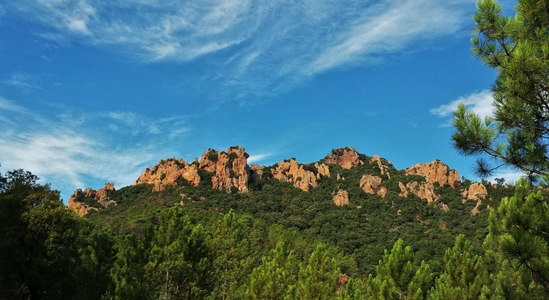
x=254, y=48
x=75, y=148
x=258, y=157
x=22, y=81
x=480, y=103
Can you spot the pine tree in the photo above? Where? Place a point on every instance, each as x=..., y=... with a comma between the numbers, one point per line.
x=518, y=235
x=518, y=48
x=464, y=277
x=275, y=278
x=317, y=279
x=397, y=277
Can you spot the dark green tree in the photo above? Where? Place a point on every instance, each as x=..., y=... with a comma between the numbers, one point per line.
x=518, y=48
x=518, y=235
x=38, y=257
x=275, y=278
x=397, y=277
x=465, y=275
x=317, y=278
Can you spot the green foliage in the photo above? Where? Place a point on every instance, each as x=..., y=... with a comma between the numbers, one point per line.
x=517, y=47
x=465, y=275
x=397, y=277
x=519, y=244
x=317, y=279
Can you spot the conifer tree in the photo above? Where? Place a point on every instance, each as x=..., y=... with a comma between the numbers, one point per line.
x=464, y=277
x=317, y=279
x=518, y=235
x=397, y=277
x=518, y=48
x=275, y=277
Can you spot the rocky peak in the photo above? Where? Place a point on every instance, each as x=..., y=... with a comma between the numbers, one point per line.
x=435, y=171
x=230, y=168
x=168, y=172
x=345, y=157
x=77, y=202
x=291, y=171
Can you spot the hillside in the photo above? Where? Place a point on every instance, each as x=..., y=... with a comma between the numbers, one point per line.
x=358, y=203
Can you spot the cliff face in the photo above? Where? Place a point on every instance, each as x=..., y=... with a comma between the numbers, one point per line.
x=345, y=157
x=435, y=171
x=168, y=172
x=424, y=190
x=77, y=204
x=230, y=168
x=291, y=171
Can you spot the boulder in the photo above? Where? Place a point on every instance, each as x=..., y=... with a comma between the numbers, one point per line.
x=435, y=171
x=345, y=157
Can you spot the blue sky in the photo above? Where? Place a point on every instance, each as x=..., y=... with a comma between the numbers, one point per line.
x=94, y=91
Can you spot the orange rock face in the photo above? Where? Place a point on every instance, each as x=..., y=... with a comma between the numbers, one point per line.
x=76, y=201
x=476, y=191
x=372, y=185
x=291, y=171
x=323, y=170
x=345, y=157
x=167, y=172
x=341, y=198
x=230, y=168
x=424, y=190
x=435, y=171
x=384, y=165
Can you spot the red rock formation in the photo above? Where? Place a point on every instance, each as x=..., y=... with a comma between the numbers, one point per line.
x=230, y=168
x=291, y=171
x=435, y=171
x=383, y=165
x=341, y=198
x=323, y=170
x=345, y=157
x=167, y=172
x=372, y=185
x=476, y=191
x=424, y=190
x=76, y=201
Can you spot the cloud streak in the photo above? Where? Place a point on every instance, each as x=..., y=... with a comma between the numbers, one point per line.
x=480, y=103
x=74, y=148
x=253, y=49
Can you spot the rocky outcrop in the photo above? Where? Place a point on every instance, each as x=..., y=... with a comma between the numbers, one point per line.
x=424, y=190
x=256, y=171
x=291, y=171
x=230, y=168
x=372, y=185
x=476, y=191
x=435, y=172
x=341, y=198
x=345, y=157
x=168, y=172
x=77, y=202
x=383, y=164
x=323, y=170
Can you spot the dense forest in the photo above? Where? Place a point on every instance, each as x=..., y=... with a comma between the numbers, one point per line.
x=275, y=241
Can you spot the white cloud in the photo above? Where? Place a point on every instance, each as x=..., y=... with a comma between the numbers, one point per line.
x=510, y=176
x=387, y=28
x=76, y=148
x=22, y=81
x=258, y=157
x=480, y=103
x=260, y=47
